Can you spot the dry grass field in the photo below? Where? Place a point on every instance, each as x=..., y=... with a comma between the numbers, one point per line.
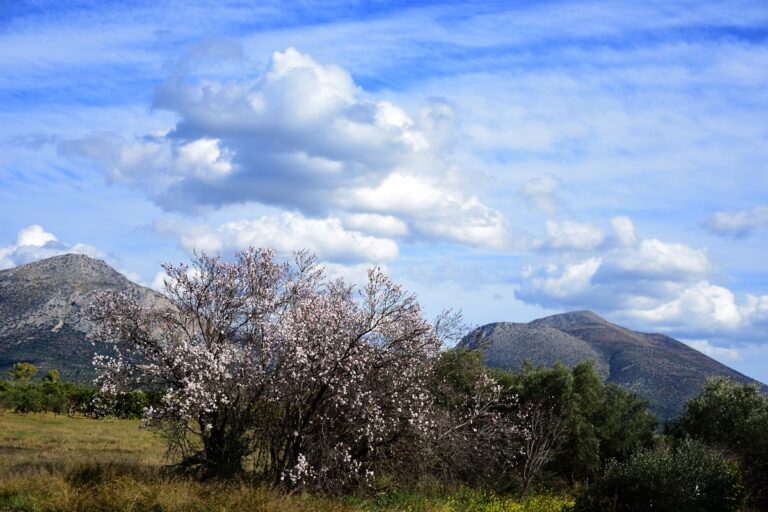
x=57, y=463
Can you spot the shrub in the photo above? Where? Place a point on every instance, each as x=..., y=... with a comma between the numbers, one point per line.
x=311, y=377
x=733, y=418
x=28, y=399
x=131, y=405
x=23, y=371
x=688, y=477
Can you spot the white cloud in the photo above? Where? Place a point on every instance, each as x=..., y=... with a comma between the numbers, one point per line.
x=653, y=259
x=34, y=236
x=34, y=243
x=540, y=194
x=432, y=210
x=648, y=282
x=555, y=283
x=738, y=223
x=375, y=224
x=623, y=231
x=301, y=136
x=703, y=305
x=356, y=274
x=286, y=233
x=569, y=235
x=728, y=354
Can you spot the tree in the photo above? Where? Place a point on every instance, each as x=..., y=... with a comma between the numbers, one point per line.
x=479, y=429
x=23, y=371
x=624, y=424
x=308, y=377
x=732, y=417
x=689, y=476
x=574, y=422
x=52, y=375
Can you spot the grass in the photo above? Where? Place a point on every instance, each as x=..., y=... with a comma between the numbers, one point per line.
x=56, y=463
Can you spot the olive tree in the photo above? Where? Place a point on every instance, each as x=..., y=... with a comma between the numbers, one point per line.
x=733, y=418
x=308, y=378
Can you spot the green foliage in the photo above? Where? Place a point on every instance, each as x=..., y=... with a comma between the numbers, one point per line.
x=456, y=374
x=688, y=477
x=52, y=376
x=601, y=422
x=732, y=417
x=28, y=399
x=23, y=371
x=624, y=424
x=131, y=405
x=65, y=397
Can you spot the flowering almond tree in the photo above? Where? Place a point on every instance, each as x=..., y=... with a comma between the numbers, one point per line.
x=306, y=378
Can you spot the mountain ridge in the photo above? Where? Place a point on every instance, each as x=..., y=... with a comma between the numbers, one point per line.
x=40, y=322
x=661, y=369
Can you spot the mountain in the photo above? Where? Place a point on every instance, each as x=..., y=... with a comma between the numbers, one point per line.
x=662, y=370
x=40, y=305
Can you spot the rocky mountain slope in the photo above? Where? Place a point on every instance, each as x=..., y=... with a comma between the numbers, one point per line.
x=40, y=305
x=660, y=369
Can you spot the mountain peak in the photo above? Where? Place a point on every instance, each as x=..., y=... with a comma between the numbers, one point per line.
x=40, y=311
x=67, y=268
x=571, y=319
x=660, y=369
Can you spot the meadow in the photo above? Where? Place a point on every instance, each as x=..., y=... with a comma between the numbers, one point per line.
x=54, y=462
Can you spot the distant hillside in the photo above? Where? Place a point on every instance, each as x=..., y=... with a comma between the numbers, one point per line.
x=39, y=312
x=662, y=370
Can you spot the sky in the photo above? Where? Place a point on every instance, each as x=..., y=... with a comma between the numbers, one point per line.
x=508, y=159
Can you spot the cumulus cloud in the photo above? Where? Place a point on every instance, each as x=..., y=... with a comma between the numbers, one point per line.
x=738, y=223
x=623, y=231
x=540, y=194
x=432, y=210
x=647, y=282
x=569, y=235
x=304, y=137
x=710, y=306
x=35, y=243
x=553, y=283
x=375, y=224
x=286, y=233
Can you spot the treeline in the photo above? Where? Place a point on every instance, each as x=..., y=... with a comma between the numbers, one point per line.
x=273, y=373
x=573, y=433
x=23, y=393
x=601, y=441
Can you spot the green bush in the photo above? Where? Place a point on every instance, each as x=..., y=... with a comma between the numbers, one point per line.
x=28, y=399
x=688, y=477
x=732, y=418
x=55, y=401
x=131, y=405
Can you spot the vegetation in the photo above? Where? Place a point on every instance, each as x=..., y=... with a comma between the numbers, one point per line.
x=266, y=386
x=23, y=371
x=60, y=463
x=576, y=422
x=668, y=479
x=733, y=419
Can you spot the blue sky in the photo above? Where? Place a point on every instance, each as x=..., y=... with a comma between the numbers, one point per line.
x=509, y=159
